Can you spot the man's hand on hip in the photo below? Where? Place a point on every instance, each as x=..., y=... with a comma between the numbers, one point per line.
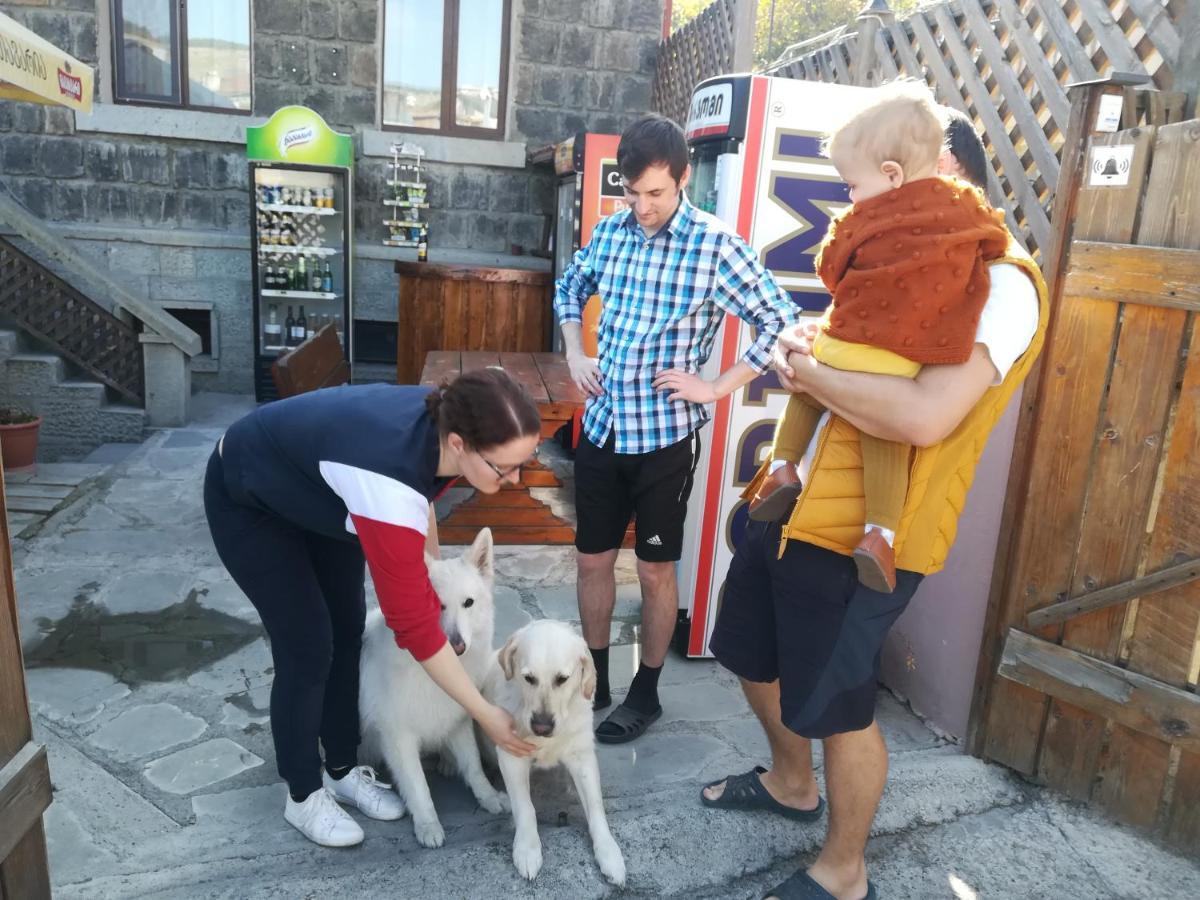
x=685, y=386
x=585, y=372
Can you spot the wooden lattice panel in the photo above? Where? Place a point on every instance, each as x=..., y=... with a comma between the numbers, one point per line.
x=78, y=328
x=700, y=49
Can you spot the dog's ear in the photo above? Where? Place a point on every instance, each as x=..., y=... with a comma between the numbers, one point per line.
x=589, y=675
x=508, y=658
x=481, y=554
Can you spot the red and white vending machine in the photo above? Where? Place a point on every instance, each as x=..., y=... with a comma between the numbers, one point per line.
x=756, y=164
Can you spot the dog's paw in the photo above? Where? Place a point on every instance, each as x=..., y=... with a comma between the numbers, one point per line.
x=429, y=834
x=527, y=856
x=611, y=861
x=495, y=802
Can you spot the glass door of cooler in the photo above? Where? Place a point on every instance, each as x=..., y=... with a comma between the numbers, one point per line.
x=301, y=261
x=716, y=173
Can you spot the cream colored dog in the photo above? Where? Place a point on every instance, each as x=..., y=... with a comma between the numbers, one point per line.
x=545, y=678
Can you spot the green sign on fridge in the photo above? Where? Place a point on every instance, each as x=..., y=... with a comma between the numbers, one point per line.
x=296, y=134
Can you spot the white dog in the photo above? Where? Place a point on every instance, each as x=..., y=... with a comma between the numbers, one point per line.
x=544, y=676
x=404, y=713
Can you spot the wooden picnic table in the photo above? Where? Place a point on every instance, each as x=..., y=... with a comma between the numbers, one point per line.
x=514, y=514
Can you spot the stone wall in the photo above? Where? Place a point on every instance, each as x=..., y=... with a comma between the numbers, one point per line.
x=575, y=65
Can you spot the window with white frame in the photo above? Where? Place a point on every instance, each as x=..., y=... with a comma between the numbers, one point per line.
x=445, y=66
x=183, y=53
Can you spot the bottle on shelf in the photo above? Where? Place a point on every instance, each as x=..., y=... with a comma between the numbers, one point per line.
x=315, y=280
x=302, y=327
x=423, y=246
x=272, y=331
x=289, y=325
x=300, y=281
x=327, y=279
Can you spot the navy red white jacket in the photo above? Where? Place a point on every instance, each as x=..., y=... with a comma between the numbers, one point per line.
x=356, y=462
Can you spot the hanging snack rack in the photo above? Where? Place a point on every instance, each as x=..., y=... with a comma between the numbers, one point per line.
x=407, y=224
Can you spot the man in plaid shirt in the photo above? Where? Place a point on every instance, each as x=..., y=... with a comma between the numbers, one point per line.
x=667, y=274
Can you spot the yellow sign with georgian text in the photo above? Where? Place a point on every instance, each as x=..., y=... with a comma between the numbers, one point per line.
x=35, y=70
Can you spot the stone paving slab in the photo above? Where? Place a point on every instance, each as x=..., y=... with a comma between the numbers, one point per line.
x=72, y=696
x=201, y=766
x=144, y=730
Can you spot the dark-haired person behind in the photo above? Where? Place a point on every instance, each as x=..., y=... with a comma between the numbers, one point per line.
x=965, y=155
x=301, y=495
x=667, y=273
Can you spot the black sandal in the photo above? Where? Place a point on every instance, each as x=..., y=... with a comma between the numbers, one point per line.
x=746, y=792
x=630, y=723
x=802, y=887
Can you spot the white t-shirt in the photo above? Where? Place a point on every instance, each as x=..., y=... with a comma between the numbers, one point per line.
x=1006, y=327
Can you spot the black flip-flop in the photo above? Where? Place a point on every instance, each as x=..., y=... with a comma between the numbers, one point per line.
x=802, y=887
x=633, y=724
x=746, y=792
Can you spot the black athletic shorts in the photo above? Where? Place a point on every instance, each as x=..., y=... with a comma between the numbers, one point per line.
x=653, y=487
x=805, y=620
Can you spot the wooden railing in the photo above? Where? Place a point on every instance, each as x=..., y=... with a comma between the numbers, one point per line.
x=78, y=328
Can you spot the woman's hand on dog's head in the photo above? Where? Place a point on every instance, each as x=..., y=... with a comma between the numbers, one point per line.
x=498, y=725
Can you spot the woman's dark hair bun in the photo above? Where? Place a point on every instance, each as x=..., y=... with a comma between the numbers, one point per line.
x=486, y=408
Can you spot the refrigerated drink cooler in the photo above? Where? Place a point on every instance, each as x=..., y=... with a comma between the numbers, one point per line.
x=301, y=236
x=589, y=189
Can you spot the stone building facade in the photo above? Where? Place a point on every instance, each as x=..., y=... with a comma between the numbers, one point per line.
x=161, y=194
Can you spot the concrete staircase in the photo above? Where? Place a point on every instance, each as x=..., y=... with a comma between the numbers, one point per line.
x=77, y=415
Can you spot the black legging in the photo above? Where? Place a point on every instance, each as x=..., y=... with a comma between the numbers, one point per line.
x=309, y=591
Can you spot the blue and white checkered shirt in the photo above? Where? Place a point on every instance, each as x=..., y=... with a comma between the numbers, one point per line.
x=663, y=300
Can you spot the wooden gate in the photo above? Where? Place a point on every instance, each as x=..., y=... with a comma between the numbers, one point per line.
x=1092, y=650
x=24, y=776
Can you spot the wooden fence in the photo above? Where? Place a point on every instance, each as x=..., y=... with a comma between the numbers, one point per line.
x=1006, y=63
x=1091, y=650
x=702, y=48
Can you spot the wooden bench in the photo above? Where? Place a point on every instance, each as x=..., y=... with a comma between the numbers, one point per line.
x=514, y=514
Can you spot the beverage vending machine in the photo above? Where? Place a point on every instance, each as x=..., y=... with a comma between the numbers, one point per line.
x=756, y=164
x=589, y=189
x=301, y=235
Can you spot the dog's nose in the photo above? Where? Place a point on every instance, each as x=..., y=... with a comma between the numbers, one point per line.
x=459, y=647
x=541, y=724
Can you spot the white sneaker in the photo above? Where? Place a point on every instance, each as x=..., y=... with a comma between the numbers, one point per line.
x=322, y=821
x=362, y=790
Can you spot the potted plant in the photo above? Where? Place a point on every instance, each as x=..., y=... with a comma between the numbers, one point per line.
x=18, y=437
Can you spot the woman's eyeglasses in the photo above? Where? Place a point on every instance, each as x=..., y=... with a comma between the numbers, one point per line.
x=504, y=473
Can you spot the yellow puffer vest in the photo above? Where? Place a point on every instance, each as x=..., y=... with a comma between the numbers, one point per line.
x=831, y=511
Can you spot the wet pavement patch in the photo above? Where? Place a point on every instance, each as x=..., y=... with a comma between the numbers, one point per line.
x=141, y=646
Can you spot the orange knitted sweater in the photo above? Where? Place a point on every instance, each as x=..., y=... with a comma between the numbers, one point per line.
x=908, y=269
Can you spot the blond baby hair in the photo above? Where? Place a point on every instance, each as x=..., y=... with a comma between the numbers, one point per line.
x=900, y=122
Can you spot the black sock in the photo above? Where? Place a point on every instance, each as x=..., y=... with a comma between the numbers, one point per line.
x=337, y=773
x=643, y=693
x=600, y=658
x=300, y=799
